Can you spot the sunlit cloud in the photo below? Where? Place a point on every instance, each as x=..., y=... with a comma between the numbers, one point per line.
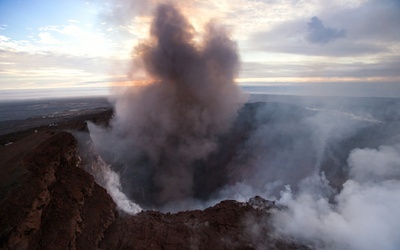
x=47, y=39
x=278, y=41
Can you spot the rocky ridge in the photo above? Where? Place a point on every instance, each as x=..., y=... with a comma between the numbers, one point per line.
x=57, y=204
x=227, y=225
x=48, y=201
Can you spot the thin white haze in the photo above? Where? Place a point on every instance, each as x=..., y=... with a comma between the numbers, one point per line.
x=365, y=212
x=347, y=205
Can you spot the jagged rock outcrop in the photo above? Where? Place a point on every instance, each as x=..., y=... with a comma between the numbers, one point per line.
x=56, y=204
x=227, y=225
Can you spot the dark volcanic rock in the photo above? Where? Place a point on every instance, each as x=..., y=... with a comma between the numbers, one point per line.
x=56, y=205
x=227, y=225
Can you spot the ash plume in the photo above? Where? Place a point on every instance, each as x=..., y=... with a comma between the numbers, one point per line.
x=161, y=129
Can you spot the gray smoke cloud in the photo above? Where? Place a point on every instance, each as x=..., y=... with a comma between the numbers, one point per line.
x=160, y=130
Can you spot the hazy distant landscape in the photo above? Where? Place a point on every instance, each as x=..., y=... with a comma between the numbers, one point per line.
x=21, y=110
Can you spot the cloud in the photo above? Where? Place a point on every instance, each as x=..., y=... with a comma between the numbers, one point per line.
x=370, y=29
x=40, y=70
x=291, y=37
x=371, y=21
x=342, y=41
x=266, y=31
x=387, y=70
x=47, y=38
x=318, y=33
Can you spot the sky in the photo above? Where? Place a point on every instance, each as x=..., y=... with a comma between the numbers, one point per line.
x=306, y=47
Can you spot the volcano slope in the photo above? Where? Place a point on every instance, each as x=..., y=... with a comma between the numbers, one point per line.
x=48, y=201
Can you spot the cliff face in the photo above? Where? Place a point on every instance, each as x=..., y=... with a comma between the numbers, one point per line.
x=55, y=204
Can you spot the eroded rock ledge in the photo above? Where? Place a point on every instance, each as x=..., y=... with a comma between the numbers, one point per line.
x=57, y=205
x=227, y=225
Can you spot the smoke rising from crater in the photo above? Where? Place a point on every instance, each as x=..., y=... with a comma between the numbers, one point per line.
x=342, y=186
x=161, y=129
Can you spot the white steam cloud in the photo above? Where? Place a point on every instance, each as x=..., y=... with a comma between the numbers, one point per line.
x=365, y=212
x=375, y=164
x=110, y=180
